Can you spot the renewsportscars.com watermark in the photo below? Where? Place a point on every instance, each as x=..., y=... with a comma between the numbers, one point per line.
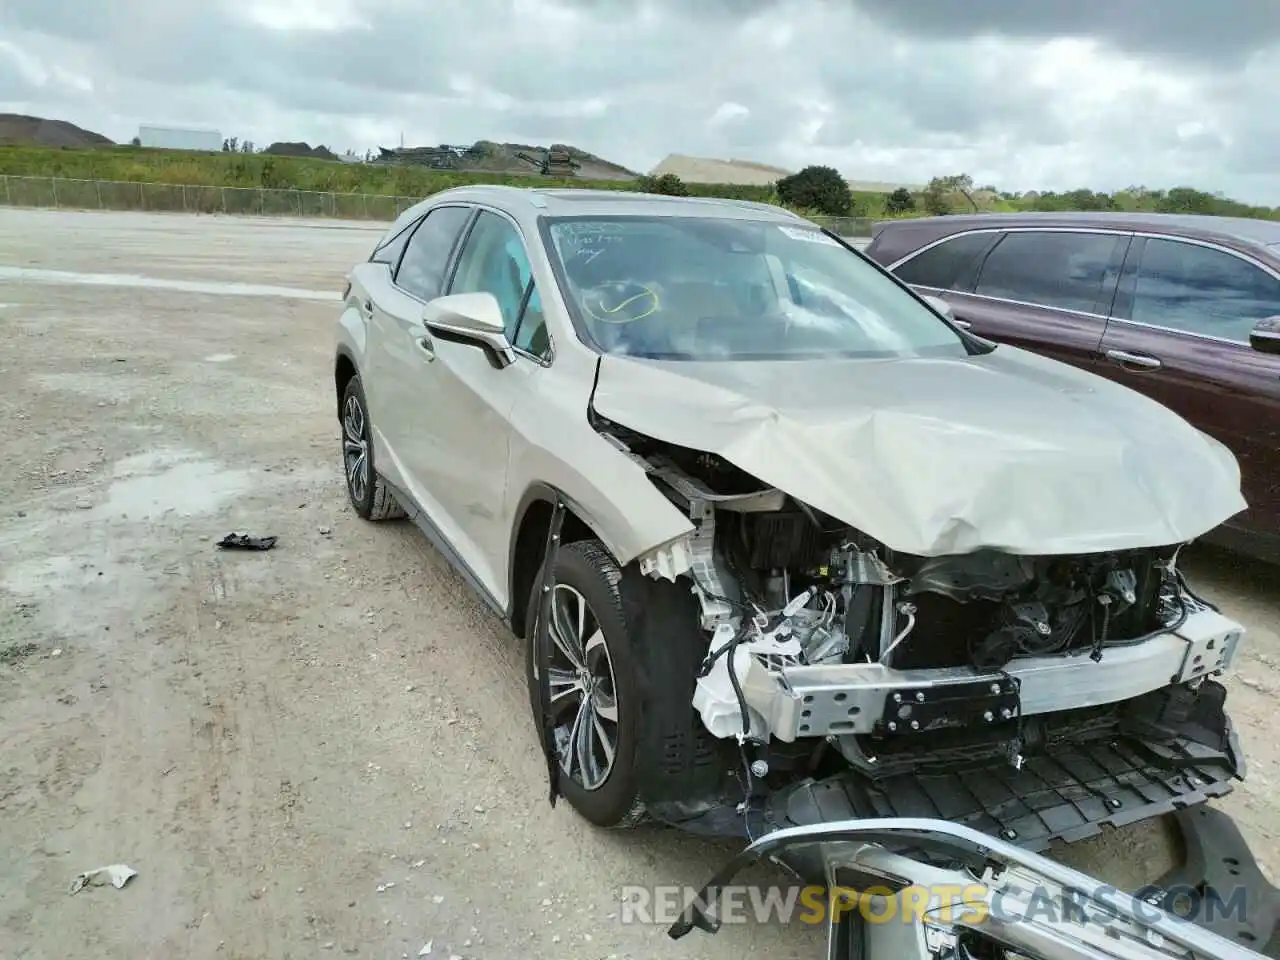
x=974, y=903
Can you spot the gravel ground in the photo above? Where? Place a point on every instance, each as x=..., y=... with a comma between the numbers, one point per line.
x=324, y=748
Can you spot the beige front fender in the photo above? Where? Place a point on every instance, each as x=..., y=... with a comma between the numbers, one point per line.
x=604, y=488
x=554, y=447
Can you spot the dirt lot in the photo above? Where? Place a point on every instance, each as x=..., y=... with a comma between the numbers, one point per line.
x=324, y=748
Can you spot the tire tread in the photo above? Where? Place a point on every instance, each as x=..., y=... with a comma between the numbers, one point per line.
x=381, y=503
x=385, y=506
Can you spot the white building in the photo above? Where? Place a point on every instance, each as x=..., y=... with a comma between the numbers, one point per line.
x=177, y=138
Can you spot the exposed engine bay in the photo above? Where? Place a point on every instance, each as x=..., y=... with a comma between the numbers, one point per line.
x=815, y=630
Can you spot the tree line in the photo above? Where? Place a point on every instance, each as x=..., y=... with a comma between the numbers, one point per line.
x=822, y=190
x=815, y=190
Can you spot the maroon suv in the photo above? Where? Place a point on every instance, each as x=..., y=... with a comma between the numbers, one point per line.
x=1185, y=309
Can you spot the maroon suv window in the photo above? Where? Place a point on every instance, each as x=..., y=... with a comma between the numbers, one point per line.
x=948, y=266
x=1064, y=270
x=1184, y=286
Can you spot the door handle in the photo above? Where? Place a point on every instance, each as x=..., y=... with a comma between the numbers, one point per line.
x=367, y=306
x=1126, y=359
x=962, y=324
x=426, y=348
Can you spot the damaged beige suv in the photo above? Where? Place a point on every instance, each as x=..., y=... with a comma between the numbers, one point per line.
x=821, y=553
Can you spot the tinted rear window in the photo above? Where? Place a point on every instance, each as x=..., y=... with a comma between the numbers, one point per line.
x=389, y=250
x=421, y=270
x=948, y=266
x=1061, y=270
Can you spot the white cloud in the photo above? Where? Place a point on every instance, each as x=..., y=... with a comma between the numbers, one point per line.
x=328, y=16
x=1043, y=96
x=728, y=112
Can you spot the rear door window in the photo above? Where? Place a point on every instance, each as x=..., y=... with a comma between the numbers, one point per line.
x=422, y=268
x=1184, y=286
x=951, y=265
x=1063, y=270
x=389, y=250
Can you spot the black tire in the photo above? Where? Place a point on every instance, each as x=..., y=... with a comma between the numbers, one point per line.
x=371, y=498
x=651, y=637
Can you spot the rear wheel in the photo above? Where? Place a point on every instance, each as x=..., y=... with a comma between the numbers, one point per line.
x=621, y=669
x=370, y=495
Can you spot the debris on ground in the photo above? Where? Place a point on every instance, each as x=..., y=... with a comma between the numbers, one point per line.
x=14, y=655
x=242, y=541
x=117, y=874
x=426, y=948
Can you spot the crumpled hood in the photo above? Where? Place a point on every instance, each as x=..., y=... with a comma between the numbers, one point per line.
x=1006, y=450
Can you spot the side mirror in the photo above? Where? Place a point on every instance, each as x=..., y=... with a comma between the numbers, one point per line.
x=1265, y=337
x=474, y=319
x=945, y=308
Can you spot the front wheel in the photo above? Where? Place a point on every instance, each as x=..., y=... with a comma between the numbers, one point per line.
x=621, y=669
x=591, y=678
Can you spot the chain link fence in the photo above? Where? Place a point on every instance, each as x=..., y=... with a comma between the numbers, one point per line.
x=63, y=193
x=846, y=226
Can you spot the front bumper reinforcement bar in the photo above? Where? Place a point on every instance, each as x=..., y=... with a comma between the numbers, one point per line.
x=838, y=699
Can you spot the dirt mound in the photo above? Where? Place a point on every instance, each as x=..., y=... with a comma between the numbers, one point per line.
x=487, y=156
x=520, y=156
x=17, y=129
x=296, y=148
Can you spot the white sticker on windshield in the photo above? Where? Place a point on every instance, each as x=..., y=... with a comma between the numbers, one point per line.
x=810, y=236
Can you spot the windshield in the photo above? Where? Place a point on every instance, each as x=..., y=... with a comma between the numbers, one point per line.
x=696, y=288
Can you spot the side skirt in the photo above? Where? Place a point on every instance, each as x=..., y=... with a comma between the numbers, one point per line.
x=446, y=550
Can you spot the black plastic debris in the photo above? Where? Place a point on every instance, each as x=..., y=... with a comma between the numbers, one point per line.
x=242, y=541
x=541, y=640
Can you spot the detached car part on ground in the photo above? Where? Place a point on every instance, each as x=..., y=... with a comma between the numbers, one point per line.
x=933, y=890
x=786, y=547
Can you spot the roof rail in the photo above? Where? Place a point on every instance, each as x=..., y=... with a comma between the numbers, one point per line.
x=771, y=207
x=746, y=204
x=537, y=197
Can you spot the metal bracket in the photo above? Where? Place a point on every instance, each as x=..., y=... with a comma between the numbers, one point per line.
x=926, y=709
x=542, y=649
x=703, y=561
x=1219, y=869
x=1212, y=641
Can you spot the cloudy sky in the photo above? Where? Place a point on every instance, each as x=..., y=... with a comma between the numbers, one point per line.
x=1026, y=94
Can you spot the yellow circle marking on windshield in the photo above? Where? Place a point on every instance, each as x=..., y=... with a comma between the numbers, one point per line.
x=613, y=312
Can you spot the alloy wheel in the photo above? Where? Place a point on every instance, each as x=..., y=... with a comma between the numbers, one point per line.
x=584, y=703
x=355, y=448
